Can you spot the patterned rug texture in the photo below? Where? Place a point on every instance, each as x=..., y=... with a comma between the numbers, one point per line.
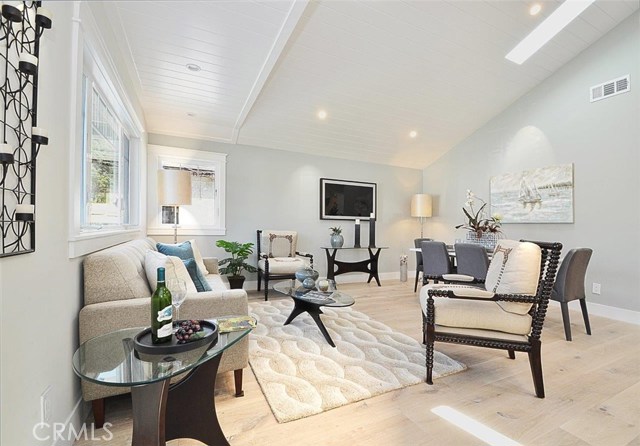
x=301, y=374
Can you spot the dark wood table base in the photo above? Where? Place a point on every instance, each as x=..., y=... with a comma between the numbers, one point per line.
x=184, y=410
x=314, y=311
x=336, y=267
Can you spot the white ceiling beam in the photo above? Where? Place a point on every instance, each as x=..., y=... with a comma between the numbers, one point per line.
x=288, y=26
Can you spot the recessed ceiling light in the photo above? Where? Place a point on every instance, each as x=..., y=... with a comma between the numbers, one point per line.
x=322, y=115
x=535, y=9
x=546, y=30
x=413, y=134
x=193, y=67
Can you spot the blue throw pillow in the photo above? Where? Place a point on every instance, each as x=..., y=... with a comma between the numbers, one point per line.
x=182, y=250
x=196, y=275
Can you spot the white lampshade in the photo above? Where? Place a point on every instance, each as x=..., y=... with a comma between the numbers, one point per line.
x=421, y=205
x=174, y=187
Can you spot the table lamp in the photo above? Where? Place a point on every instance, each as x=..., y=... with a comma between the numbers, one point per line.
x=421, y=208
x=174, y=189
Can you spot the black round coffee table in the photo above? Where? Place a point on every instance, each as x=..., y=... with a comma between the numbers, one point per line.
x=311, y=301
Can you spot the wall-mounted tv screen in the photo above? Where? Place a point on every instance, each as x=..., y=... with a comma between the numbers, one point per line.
x=347, y=200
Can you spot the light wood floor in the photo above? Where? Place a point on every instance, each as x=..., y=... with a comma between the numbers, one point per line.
x=592, y=386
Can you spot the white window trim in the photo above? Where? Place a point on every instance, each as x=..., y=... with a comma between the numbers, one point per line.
x=158, y=155
x=90, y=52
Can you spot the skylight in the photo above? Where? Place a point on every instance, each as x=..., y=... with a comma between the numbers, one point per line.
x=546, y=30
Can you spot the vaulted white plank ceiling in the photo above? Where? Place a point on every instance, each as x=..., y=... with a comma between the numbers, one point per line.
x=379, y=69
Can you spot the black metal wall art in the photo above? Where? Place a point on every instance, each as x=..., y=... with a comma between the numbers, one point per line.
x=23, y=23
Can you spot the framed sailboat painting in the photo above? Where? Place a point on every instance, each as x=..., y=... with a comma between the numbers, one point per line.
x=541, y=195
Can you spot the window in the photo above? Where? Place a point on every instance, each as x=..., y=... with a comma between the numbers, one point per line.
x=106, y=165
x=203, y=205
x=206, y=213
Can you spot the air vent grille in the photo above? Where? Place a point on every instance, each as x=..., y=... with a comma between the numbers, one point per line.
x=610, y=88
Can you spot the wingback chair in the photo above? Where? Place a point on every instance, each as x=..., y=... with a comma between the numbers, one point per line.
x=278, y=258
x=570, y=286
x=507, y=313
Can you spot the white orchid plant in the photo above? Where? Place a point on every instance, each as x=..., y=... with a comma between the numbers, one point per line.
x=476, y=220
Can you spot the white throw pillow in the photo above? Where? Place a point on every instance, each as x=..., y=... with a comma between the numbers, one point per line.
x=198, y=257
x=514, y=269
x=174, y=269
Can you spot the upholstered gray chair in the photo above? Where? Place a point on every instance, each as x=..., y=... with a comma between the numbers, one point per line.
x=570, y=286
x=507, y=313
x=435, y=261
x=472, y=260
x=418, y=244
x=437, y=265
x=278, y=257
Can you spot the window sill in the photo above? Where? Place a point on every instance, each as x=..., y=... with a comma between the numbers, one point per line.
x=187, y=231
x=91, y=241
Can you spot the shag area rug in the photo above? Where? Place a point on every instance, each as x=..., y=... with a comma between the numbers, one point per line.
x=301, y=374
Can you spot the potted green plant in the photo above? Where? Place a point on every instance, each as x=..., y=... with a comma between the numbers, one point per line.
x=336, y=237
x=236, y=263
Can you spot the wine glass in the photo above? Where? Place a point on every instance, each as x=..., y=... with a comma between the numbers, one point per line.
x=178, y=288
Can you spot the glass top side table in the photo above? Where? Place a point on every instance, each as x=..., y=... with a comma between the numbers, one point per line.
x=161, y=411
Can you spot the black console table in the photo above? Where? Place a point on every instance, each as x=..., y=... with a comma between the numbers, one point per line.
x=370, y=265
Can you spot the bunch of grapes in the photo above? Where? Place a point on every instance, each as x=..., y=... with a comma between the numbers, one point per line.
x=189, y=331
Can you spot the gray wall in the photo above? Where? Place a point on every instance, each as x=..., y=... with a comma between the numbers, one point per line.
x=556, y=124
x=275, y=189
x=41, y=292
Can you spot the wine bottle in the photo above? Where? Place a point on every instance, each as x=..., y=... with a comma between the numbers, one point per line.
x=161, y=312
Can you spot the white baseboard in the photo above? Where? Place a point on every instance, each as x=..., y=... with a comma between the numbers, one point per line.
x=362, y=277
x=615, y=313
x=342, y=278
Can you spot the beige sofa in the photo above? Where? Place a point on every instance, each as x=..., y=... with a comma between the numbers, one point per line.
x=117, y=295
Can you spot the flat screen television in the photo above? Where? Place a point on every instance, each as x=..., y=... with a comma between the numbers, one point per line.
x=347, y=200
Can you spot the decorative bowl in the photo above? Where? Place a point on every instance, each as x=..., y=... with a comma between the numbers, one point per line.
x=305, y=273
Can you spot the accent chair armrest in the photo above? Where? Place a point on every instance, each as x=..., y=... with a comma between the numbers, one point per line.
x=306, y=255
x=453, y=278
x=458, y=278
x=472, y=293
x=460, y=292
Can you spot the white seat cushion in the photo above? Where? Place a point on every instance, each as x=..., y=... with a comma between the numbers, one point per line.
x=482, y=333
x=283, y=265
x=474, y=314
